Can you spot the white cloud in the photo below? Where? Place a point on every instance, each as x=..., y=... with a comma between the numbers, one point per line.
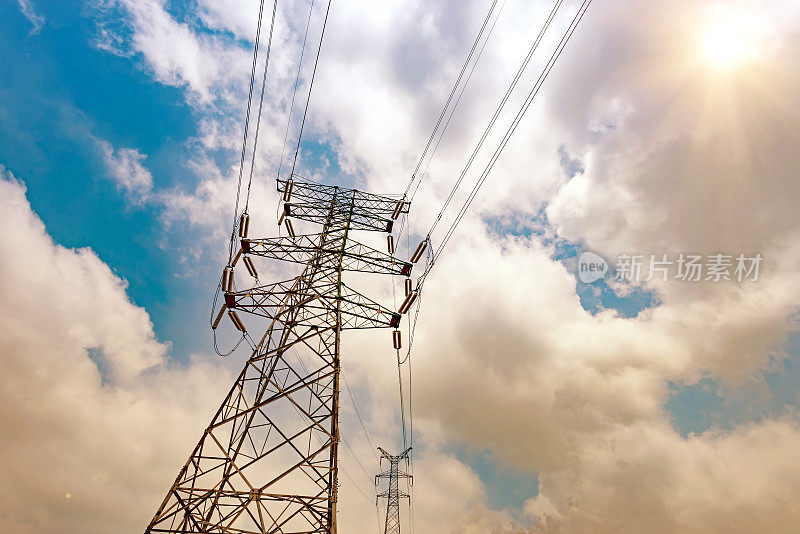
x=174, y=54
x=125, y=167
x=90, y=407
x=506, y=358
x=739, y=482
x=93, y=408
x=36, y=20
x=237, y=17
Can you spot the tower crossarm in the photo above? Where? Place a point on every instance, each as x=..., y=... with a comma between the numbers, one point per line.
x=388, y=474
x=302, y=248
x=398, y=493
x=318, y=212
x=319, y=203
x=312, y=306
x=312, y=192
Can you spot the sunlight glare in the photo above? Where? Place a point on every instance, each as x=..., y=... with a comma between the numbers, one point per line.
x=729, y=42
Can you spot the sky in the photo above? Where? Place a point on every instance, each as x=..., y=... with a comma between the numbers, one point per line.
x=542, y=402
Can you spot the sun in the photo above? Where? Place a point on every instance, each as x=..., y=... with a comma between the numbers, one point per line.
x=729, y=41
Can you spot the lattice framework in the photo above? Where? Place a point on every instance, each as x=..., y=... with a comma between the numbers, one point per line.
x=268, y=461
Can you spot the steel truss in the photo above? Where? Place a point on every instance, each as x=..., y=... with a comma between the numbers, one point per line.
x=268, y=460
x=393, y=493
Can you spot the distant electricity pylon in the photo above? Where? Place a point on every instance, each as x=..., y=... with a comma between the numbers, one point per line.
x=268, y=460
x=393, y=493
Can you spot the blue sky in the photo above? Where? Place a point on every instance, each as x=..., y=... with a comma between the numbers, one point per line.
x=57, y=103
x=64, y=94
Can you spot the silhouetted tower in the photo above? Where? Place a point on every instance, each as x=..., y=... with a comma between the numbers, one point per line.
x=267, y=463
x=393, y=493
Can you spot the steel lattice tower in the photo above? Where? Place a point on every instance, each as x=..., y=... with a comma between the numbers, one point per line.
x=268, y=460
x=393, y=493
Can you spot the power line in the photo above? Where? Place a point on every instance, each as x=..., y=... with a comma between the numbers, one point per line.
x=411, y=429
x=296, y=84
x=244, y=150
x=358, y=414
x=450, y=97
x=246, y=126
x=497, y=112
x=414, y=176
x=353, y=482
x=403, y=226
x=311, y=87
x=261, y=104
x=343, y=439
x=461, y=94
x=353, y=400
x=517, y=119
x=440, y=129
x=402, y=403
x=431, y=256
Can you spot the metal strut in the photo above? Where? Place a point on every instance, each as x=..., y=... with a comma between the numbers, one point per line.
x=267, y=462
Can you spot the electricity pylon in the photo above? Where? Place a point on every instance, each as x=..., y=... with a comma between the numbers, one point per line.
x=393, y=493
x=268, y=460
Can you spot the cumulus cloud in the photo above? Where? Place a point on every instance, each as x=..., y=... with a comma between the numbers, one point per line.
x=510, y=362
x=98, y=420
x=172, y=52
x=742, y=481
x=125, y=167
x=95, y=421
x=671, y=160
